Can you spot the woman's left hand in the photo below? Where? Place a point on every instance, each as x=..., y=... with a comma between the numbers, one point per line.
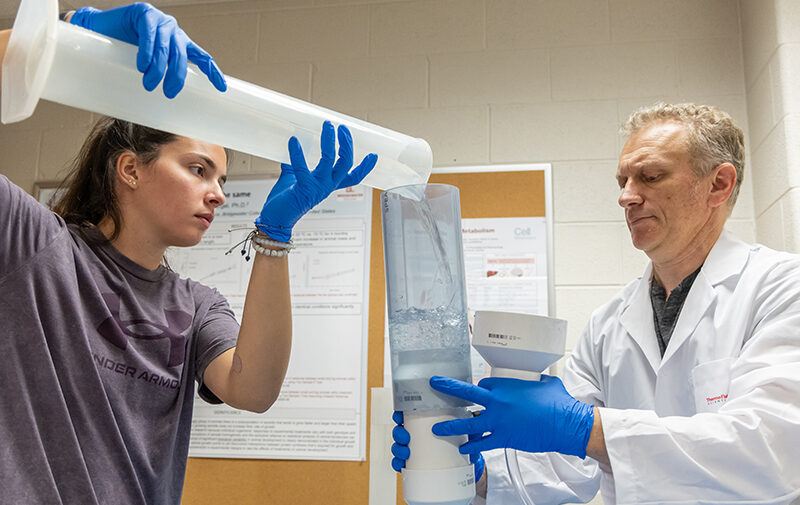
x=298, y=189
x=164, y=47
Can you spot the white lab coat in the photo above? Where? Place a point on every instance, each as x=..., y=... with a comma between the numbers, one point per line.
x=715, y=421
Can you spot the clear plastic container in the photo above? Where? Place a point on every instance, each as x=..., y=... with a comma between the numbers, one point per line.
x=428, y=335
x=51, y=59
x=426, y=294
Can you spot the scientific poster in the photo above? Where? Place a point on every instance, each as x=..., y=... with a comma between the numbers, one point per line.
x=505, y=263
x=321, y=411
x=505, y=260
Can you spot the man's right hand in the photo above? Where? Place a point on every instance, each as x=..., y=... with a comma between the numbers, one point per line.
x=401, y=452
x=164, y=47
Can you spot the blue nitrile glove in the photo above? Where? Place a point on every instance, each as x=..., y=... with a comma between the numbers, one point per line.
x=163, y=46
x=401, y=452
x=298, y=190
x=531, y=416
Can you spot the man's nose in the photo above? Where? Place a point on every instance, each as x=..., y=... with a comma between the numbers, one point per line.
x=629, y=195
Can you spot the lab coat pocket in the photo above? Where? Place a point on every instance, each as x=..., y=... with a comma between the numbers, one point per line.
x=711, y=382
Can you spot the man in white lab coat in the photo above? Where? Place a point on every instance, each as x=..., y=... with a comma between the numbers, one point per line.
x=685, y=387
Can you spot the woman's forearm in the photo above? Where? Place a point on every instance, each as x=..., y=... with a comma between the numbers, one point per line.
x=250, y=375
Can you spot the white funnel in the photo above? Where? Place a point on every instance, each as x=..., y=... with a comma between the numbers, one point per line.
x=518, y=345
x=51, y=59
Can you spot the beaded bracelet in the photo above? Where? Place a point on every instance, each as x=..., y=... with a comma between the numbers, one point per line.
x=263, y=240
x=270, y=252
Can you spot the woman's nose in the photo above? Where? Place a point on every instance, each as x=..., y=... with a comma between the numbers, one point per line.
x=216, y=196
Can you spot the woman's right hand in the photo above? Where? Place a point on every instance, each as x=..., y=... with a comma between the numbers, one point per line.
x=298, y=189
x=164, y=47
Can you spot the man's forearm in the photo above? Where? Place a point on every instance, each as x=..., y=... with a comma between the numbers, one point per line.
x=482, y=484
x=4, y=36
x=596, y=447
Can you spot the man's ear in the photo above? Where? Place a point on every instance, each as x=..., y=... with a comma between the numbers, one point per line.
x=723, y=180
x=127, y=169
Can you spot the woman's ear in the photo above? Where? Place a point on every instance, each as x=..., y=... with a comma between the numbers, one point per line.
x=127, y=169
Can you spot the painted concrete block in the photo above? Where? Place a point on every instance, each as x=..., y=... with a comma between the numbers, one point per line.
x=547, y=23
x=586, y=191
x=588, y=254
x=426, y=26
x=229, y=38
x=489, y=77
x=314, y=34
x=633, y=20
x=554, y=131
x=396, y=81
x=456, y=135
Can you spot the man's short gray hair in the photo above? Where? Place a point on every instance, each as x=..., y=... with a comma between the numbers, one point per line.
x=712, y=136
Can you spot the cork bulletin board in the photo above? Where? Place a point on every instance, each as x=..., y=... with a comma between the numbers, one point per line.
x=502, y=191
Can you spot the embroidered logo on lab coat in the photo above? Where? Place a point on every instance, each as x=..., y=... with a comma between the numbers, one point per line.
x=711, y=381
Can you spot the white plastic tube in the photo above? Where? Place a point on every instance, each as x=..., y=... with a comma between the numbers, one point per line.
x=512, y=465
x=51, y=59
x=436, y=473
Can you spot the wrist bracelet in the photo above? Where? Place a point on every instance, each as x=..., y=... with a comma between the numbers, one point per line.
x=263, y=240
x=255, y=241
x=270, y=252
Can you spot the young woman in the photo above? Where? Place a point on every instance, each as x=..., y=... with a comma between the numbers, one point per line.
x=102, y=344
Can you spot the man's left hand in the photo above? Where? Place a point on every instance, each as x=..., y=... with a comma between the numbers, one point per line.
x=531, y=416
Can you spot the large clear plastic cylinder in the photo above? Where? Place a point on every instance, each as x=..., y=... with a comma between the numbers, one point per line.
x=426, y=295
x=47, y=58
x=428, y=335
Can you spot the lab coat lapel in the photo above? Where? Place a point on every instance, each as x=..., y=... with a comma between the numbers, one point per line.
x=728, y=257
x=637, y=319
x=700, y=297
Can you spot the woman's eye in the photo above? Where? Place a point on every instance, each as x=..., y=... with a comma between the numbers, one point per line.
x=196, y=169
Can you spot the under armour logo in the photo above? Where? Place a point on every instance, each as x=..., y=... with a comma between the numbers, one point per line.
x=115, y=329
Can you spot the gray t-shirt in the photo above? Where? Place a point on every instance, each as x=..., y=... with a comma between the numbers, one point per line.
x=98, y=358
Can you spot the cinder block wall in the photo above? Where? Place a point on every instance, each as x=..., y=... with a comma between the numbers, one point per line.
x=485, y=82
x=771, y=40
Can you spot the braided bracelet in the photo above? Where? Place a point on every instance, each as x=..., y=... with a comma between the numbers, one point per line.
x=255, y=241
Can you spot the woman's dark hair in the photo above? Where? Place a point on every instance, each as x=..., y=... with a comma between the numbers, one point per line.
x=88, y=191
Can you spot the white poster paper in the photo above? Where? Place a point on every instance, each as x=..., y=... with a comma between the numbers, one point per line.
x=321, y=410
x=505, y=260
